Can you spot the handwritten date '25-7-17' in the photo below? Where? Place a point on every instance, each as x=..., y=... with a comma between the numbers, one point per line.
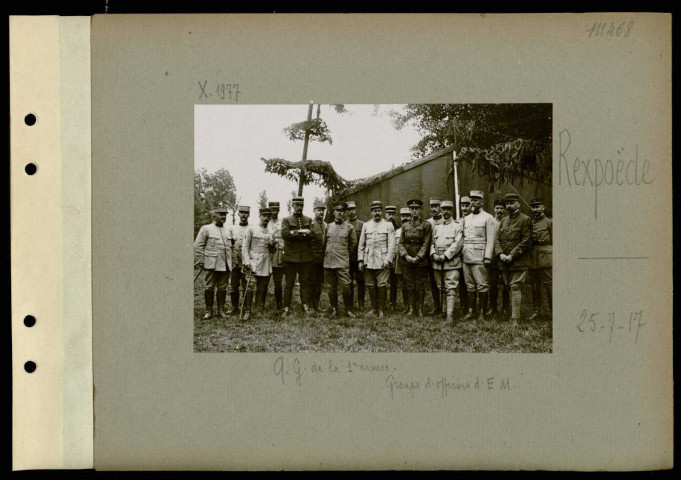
x=221, y=91
x=611, y=324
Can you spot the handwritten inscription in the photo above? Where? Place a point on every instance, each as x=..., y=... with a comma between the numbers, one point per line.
x=218, y=91
x=444, y=386
x=610, y=29
x=295, y=371
x=626, y=169
x=611, y=324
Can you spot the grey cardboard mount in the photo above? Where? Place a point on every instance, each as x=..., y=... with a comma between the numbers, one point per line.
x=599, y=401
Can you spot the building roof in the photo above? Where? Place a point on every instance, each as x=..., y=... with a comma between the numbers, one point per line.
x=379, y=177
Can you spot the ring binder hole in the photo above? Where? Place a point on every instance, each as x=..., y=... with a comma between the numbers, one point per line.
x=30, y=366
x=31, y=168
x=30, y=119
x=29, y=320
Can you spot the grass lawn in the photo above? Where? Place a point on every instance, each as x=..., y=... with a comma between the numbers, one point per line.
x=393, y=333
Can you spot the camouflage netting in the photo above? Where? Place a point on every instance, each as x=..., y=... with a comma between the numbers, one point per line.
x=317, y=172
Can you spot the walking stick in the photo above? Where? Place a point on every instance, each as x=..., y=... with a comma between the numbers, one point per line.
x=243, y=300
x=197, y=275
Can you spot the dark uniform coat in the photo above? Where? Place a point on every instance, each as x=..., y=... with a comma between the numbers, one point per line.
x=515, y=238
x=542, y=242
x=318, y=241
x=297, y=246
x=415, y=241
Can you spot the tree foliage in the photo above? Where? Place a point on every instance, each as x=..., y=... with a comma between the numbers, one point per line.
x=318, y=172
x=506, y=142
x=262, y=199
x=319, y=132
x=212, y=190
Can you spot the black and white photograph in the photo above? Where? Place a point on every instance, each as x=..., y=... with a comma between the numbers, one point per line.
x=373, y=228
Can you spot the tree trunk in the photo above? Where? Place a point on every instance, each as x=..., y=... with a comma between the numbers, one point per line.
x=302, y=163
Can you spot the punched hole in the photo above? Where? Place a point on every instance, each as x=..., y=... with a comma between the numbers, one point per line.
x=30, y=366
x=31, y=168
x=29, y=320
x=30, y=119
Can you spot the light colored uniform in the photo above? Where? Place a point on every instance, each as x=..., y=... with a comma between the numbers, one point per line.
x=256, y=250
x=447, y=241
x=213, y=246
x=376, y=250
x=479, y=232
x=237, y=233
x=398, y=232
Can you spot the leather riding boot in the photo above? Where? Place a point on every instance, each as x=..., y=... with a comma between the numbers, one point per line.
x=482, y=307
x=222, y=296
x=381, y=301
x=405, y=300
x=418, y=299
x=548, y=291
x=247, y=306
x=234, y=297
x=208, y=298
x=516, y=297
x=285, y=313
x=471, y=306
x=372, y=299
x=277, y=297
x=451, y=300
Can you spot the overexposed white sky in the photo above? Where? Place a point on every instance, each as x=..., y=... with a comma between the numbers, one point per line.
x=235, y=137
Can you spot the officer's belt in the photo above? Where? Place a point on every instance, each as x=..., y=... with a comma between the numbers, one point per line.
x=475, y=241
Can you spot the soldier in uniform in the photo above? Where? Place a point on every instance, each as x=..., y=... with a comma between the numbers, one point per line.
x=340, y=241
x=375, y=254
x=212, y=250
x=435, y=219
x=513, y=247
x=317, y=269
x=390, y=212
x=494, y=272
x=414, y=250
x=257, y=262
x=465, y=204
x=235, y=277
x=356, y=275
x=445, y=255
x=297, y=233
x=277, y=263
x=405, y=216
x=542, y=252
x=479, y=230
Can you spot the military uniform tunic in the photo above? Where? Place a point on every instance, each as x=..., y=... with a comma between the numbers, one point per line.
x=213, y=247
x=376, y=251
x=274, y=226
x=297, y=256
x=235, y=279
x=256, y=250
x=356, y=275
x=542, y=253
x=479, y=230
x=447, y=241
x=339, y=243
x=415, y=242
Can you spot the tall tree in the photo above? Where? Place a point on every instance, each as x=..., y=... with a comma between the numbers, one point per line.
x=262, y=199
x=506, y=142
x=212, y=190
x=305, y=171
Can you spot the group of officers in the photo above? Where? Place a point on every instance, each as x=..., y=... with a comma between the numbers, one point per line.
x=466, y=258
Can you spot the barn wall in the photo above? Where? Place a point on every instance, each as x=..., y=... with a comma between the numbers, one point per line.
x=431, y=179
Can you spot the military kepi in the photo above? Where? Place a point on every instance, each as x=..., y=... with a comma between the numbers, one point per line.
x=391, y=209
x=498, y=201
x=511, y=197
x=414, y=202
x=273, y=205
x=265, y=211
x=244, y=208
x=351, y=204
x=447, y=204
x=220, y=210
x=536, y=201
x=340, y=206
x=298, y=199
x=435, y=201
x=319, y=204
x=376, y=204
x=476, y=194
x=465, y=199
x=405, y=211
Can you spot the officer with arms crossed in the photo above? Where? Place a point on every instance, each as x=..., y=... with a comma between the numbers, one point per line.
x=444, y=253
x=339, y=243
x=212, y=249
x=297, y=234
x=375, y=254
x=513, y=246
